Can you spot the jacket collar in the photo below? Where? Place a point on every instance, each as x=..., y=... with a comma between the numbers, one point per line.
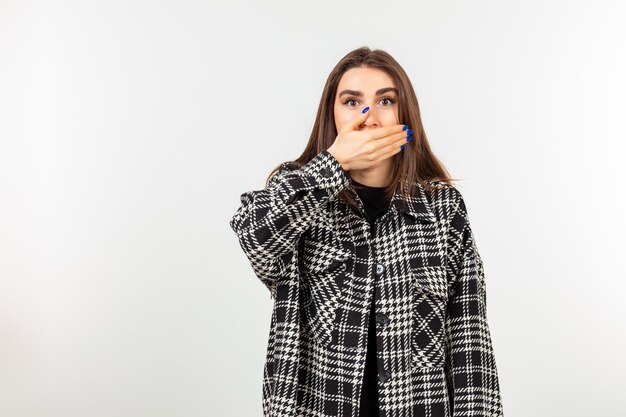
x=417, y=206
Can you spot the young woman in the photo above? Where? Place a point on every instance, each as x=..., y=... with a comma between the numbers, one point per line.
x=366, y=248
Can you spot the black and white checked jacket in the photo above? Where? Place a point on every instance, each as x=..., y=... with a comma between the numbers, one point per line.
x=321, y=265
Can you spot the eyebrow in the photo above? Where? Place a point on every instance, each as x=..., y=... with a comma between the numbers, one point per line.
x=360, y=93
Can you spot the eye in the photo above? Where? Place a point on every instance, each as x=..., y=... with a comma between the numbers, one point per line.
x=389, y=99
x=392, y=101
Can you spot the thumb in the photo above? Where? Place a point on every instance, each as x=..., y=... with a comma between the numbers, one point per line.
x=356, y=121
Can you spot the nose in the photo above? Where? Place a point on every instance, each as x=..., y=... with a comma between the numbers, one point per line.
x=372, y=118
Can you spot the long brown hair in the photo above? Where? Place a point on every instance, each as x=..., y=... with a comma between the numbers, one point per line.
x=415, y=164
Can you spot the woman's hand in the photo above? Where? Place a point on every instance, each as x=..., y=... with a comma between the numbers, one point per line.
x=363, y=149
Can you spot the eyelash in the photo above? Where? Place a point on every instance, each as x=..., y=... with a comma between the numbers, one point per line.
x=387, y=98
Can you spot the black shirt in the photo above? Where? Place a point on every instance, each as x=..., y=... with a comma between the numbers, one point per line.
x=376, y=205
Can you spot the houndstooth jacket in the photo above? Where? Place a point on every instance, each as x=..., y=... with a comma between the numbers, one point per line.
x=321, y=265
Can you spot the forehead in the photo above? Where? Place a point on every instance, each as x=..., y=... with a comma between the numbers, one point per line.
x=366, y=80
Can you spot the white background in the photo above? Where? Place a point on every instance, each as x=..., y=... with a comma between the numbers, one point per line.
x=129, y=129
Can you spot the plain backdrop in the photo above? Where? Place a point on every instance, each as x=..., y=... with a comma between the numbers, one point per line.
x=129, y=129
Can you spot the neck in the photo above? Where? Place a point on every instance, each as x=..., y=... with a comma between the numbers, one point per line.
x=378, y=176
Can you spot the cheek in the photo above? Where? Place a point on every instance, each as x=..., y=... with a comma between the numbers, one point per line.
x=341, y=117
x=390, y=118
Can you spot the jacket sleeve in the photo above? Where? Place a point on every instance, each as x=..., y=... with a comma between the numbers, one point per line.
x=269, y=222
x=471, y=371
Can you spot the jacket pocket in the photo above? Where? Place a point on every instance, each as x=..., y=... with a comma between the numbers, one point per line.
x=429, y=296
x=323, y=271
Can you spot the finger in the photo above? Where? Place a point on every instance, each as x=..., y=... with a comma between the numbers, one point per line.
x=355, y=122
x=386, y=131
x=393, y=140
x=391, y=150
x=394, y=145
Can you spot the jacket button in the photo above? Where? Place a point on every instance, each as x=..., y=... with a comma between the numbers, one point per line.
x=384, y=375
x=382, y=319
x=379, y=269
x=325, y=172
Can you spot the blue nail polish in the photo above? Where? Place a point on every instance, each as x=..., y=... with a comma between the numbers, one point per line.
x=409, y=131
x=402, y=147
x=408, y=138
x=365, y=109
x=405, y=127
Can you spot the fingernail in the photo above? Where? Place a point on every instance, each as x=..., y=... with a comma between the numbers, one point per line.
x=408, y=138
x=405, y=127
x=402, y=147
x=365, y=109
x=409, y=132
